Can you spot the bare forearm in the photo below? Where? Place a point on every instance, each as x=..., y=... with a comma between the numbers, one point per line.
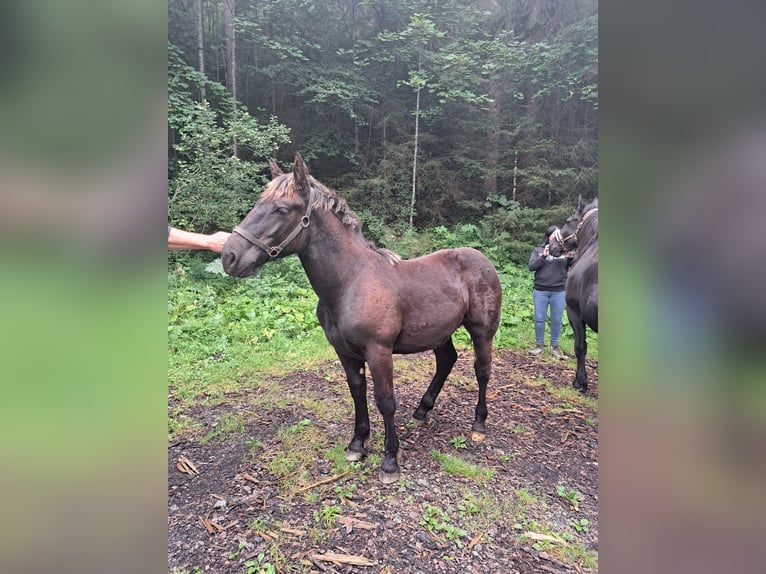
x=179, y=239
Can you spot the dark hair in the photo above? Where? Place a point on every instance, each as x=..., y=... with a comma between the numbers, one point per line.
x=548, y=232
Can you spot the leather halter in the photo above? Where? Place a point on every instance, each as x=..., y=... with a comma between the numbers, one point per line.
x=561, y=240
x=275, y=250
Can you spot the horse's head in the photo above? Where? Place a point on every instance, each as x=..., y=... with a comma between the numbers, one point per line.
x=565, y=239
x=276, y=226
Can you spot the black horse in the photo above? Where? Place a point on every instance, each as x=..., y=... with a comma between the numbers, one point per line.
x=372, y=303
x=581, y=232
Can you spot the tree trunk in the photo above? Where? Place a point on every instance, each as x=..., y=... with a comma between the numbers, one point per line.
x=201, y=47
x=493, y=138
x=415, y=155
x=231, y=59
x=515, y=172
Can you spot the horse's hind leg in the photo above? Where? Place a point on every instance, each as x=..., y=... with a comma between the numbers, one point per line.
x=446, y=355
x=482, y=367
x=357, y=384
x=580, y=347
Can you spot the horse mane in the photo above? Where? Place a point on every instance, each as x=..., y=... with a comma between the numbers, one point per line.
x=590, y=223
x=328, y=200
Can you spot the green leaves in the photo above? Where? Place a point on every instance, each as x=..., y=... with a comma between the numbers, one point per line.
x=209, y=188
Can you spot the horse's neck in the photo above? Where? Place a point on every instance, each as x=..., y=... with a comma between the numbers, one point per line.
x=589, y=233
x=332, y=255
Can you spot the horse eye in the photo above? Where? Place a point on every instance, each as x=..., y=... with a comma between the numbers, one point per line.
x=281, y=210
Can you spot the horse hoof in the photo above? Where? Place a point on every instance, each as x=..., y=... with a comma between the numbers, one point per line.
x=388, y=477
x=417, y=422
x=582, y=387
x=354, y=456
x=478, y=436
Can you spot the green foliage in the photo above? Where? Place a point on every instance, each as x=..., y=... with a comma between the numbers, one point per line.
x=508, y=107
x=327, y=515
x=452, y=464
x=437, y=520
x=580, y=525
x=345, y=491
x=571, y=496
x=260, y=565
x=458, y=442
x=209, y=187
x=209, y=313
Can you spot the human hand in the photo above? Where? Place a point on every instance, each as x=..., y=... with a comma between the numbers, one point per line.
x=546, y=251
x=570, y=254
x=216, y=240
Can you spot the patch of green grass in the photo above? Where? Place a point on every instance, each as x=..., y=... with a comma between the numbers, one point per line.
x=452, y=464
x=182, y=425
x=327, y=515
x=527, y=498
x=301, y=444
x=572, y=397
x=223, y=333
x=566, y=549
x=576, y=553
x=228, y=425
x=260, y=524
x=336, y=454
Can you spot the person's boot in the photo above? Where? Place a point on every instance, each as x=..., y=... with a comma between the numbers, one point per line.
x=558, y=353
x=537, y=350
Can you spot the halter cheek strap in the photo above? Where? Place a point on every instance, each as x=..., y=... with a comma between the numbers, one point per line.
x=275, y=250
x=561, y=240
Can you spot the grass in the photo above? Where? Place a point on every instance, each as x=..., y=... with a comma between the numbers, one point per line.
x=452, y=464
x=300, y=444
x=568, y=550
x=228, y=425
x=570, y=397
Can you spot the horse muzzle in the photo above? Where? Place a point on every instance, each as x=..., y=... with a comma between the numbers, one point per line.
x=240, y=259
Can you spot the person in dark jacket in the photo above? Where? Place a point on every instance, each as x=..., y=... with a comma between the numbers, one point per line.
x=550, y=280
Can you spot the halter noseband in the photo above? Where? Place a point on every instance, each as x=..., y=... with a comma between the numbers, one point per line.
x=274, y=250
x=557, y=233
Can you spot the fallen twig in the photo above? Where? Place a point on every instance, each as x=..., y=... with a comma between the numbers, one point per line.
x=293, y=531
x=324, y=481
x=536, y=536
x=186, y=466
x=255, y=497
x=342, y=559
x=352, y=522
x=474, y=541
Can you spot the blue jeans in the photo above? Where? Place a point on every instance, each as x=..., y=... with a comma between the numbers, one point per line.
x=557, y=302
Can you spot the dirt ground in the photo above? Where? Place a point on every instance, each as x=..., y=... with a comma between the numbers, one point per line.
x=533, y=507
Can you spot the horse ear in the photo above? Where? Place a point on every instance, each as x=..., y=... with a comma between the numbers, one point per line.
x=300, y=171
x=275, y=170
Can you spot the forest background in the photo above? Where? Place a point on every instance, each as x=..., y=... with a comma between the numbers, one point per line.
x=442, y=123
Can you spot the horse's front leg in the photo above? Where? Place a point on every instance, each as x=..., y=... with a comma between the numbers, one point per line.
x=580, y=347
x=357, y=384
x=381, y=365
